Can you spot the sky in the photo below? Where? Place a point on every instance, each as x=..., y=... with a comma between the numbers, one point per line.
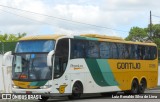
x=110, y=17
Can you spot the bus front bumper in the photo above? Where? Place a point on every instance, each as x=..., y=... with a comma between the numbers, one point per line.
x=43, y=92
x=38, y=91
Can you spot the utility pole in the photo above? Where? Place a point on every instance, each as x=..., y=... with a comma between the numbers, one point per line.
x=150, y=26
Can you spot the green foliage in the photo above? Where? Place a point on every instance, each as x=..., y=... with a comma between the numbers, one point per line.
x=156, y=31
x=140, y=34
x=11, y=37
x=157, y=41
x=8, y=41
x=137, y=34
x=7, y=46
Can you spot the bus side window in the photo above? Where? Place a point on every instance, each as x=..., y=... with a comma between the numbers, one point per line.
x=61, y=57
x=127, y=51
x=139, y=54
x=146, y=56
x=143, y=52
x=104, y=49
x=121, y=51
x=132, y=52
x=153, y=52
x=78, y=48
x=114, y=50
x=93, y=49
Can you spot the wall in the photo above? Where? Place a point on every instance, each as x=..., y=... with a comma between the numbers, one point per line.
x=1, y=76
x=5, y=78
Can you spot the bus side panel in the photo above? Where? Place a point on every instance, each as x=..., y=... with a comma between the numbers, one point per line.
x=126, y=70
x=153, y=67
x=92, y=75
x=102, y=75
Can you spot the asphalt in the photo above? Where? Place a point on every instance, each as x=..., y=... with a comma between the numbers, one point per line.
x=99, y=98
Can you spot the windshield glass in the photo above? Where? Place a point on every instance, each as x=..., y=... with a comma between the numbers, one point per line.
x=35, y=46
x=31, y=67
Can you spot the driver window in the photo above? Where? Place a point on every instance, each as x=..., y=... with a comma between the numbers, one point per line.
x=61, y=57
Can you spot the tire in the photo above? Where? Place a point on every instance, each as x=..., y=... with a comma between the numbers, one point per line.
x=77, y=91
x=142, y=86
x=44, y=99
x=134, y=87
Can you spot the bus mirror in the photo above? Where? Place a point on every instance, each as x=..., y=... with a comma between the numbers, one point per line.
x=49, y=58
x=7, y=59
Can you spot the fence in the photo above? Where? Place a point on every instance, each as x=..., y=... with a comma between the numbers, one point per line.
x=7, y=46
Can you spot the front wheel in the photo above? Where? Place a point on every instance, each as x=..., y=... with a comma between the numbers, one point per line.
x=77, y=91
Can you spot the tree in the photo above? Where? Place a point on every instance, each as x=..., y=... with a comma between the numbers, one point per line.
x=11, y=37
x=9, y=41
x=156, y=31
x=140, y=34
x=21, y=35
x=137, y=34
x=157, y=41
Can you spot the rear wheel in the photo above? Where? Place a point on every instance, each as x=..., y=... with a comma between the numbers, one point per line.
x=142, y=86
x=77, y=91
x=134, y=87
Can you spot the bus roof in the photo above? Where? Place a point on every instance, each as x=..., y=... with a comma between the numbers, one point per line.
x=96, y=37
x=42, y=37
x=102, y=36
x=111, y=39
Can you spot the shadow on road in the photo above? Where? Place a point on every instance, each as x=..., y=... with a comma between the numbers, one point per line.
x=84, y=97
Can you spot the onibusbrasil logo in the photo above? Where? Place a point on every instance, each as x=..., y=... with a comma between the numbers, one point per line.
x=23, y=96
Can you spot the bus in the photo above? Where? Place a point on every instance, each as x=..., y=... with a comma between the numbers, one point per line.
x=89, y=63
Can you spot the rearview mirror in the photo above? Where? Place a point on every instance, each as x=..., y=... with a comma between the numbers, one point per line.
x=7, y=59
x=49, y=58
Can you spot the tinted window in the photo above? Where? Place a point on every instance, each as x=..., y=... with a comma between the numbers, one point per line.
x=133, y=49
x=121, y=50
x=93, y=49
x=61, y=57
x=114, y=50
x=78, y=48
x=109, y=50
x=104, y=49
x=35, y=46
x=153, y=52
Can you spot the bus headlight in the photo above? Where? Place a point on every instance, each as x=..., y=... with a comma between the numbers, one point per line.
x=16, y=87
x=46, y=86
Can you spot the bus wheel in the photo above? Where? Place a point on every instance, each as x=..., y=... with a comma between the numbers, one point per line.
x=142, y=86
x=44, y=99
x=77, y=91
x=134, y=87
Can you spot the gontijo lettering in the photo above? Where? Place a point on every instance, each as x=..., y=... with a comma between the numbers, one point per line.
x=128, y=65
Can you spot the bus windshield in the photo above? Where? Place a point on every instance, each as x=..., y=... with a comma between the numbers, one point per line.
x=31, y=67
x=35, y=46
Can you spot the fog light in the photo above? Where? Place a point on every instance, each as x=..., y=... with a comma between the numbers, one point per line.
x=16, y=87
